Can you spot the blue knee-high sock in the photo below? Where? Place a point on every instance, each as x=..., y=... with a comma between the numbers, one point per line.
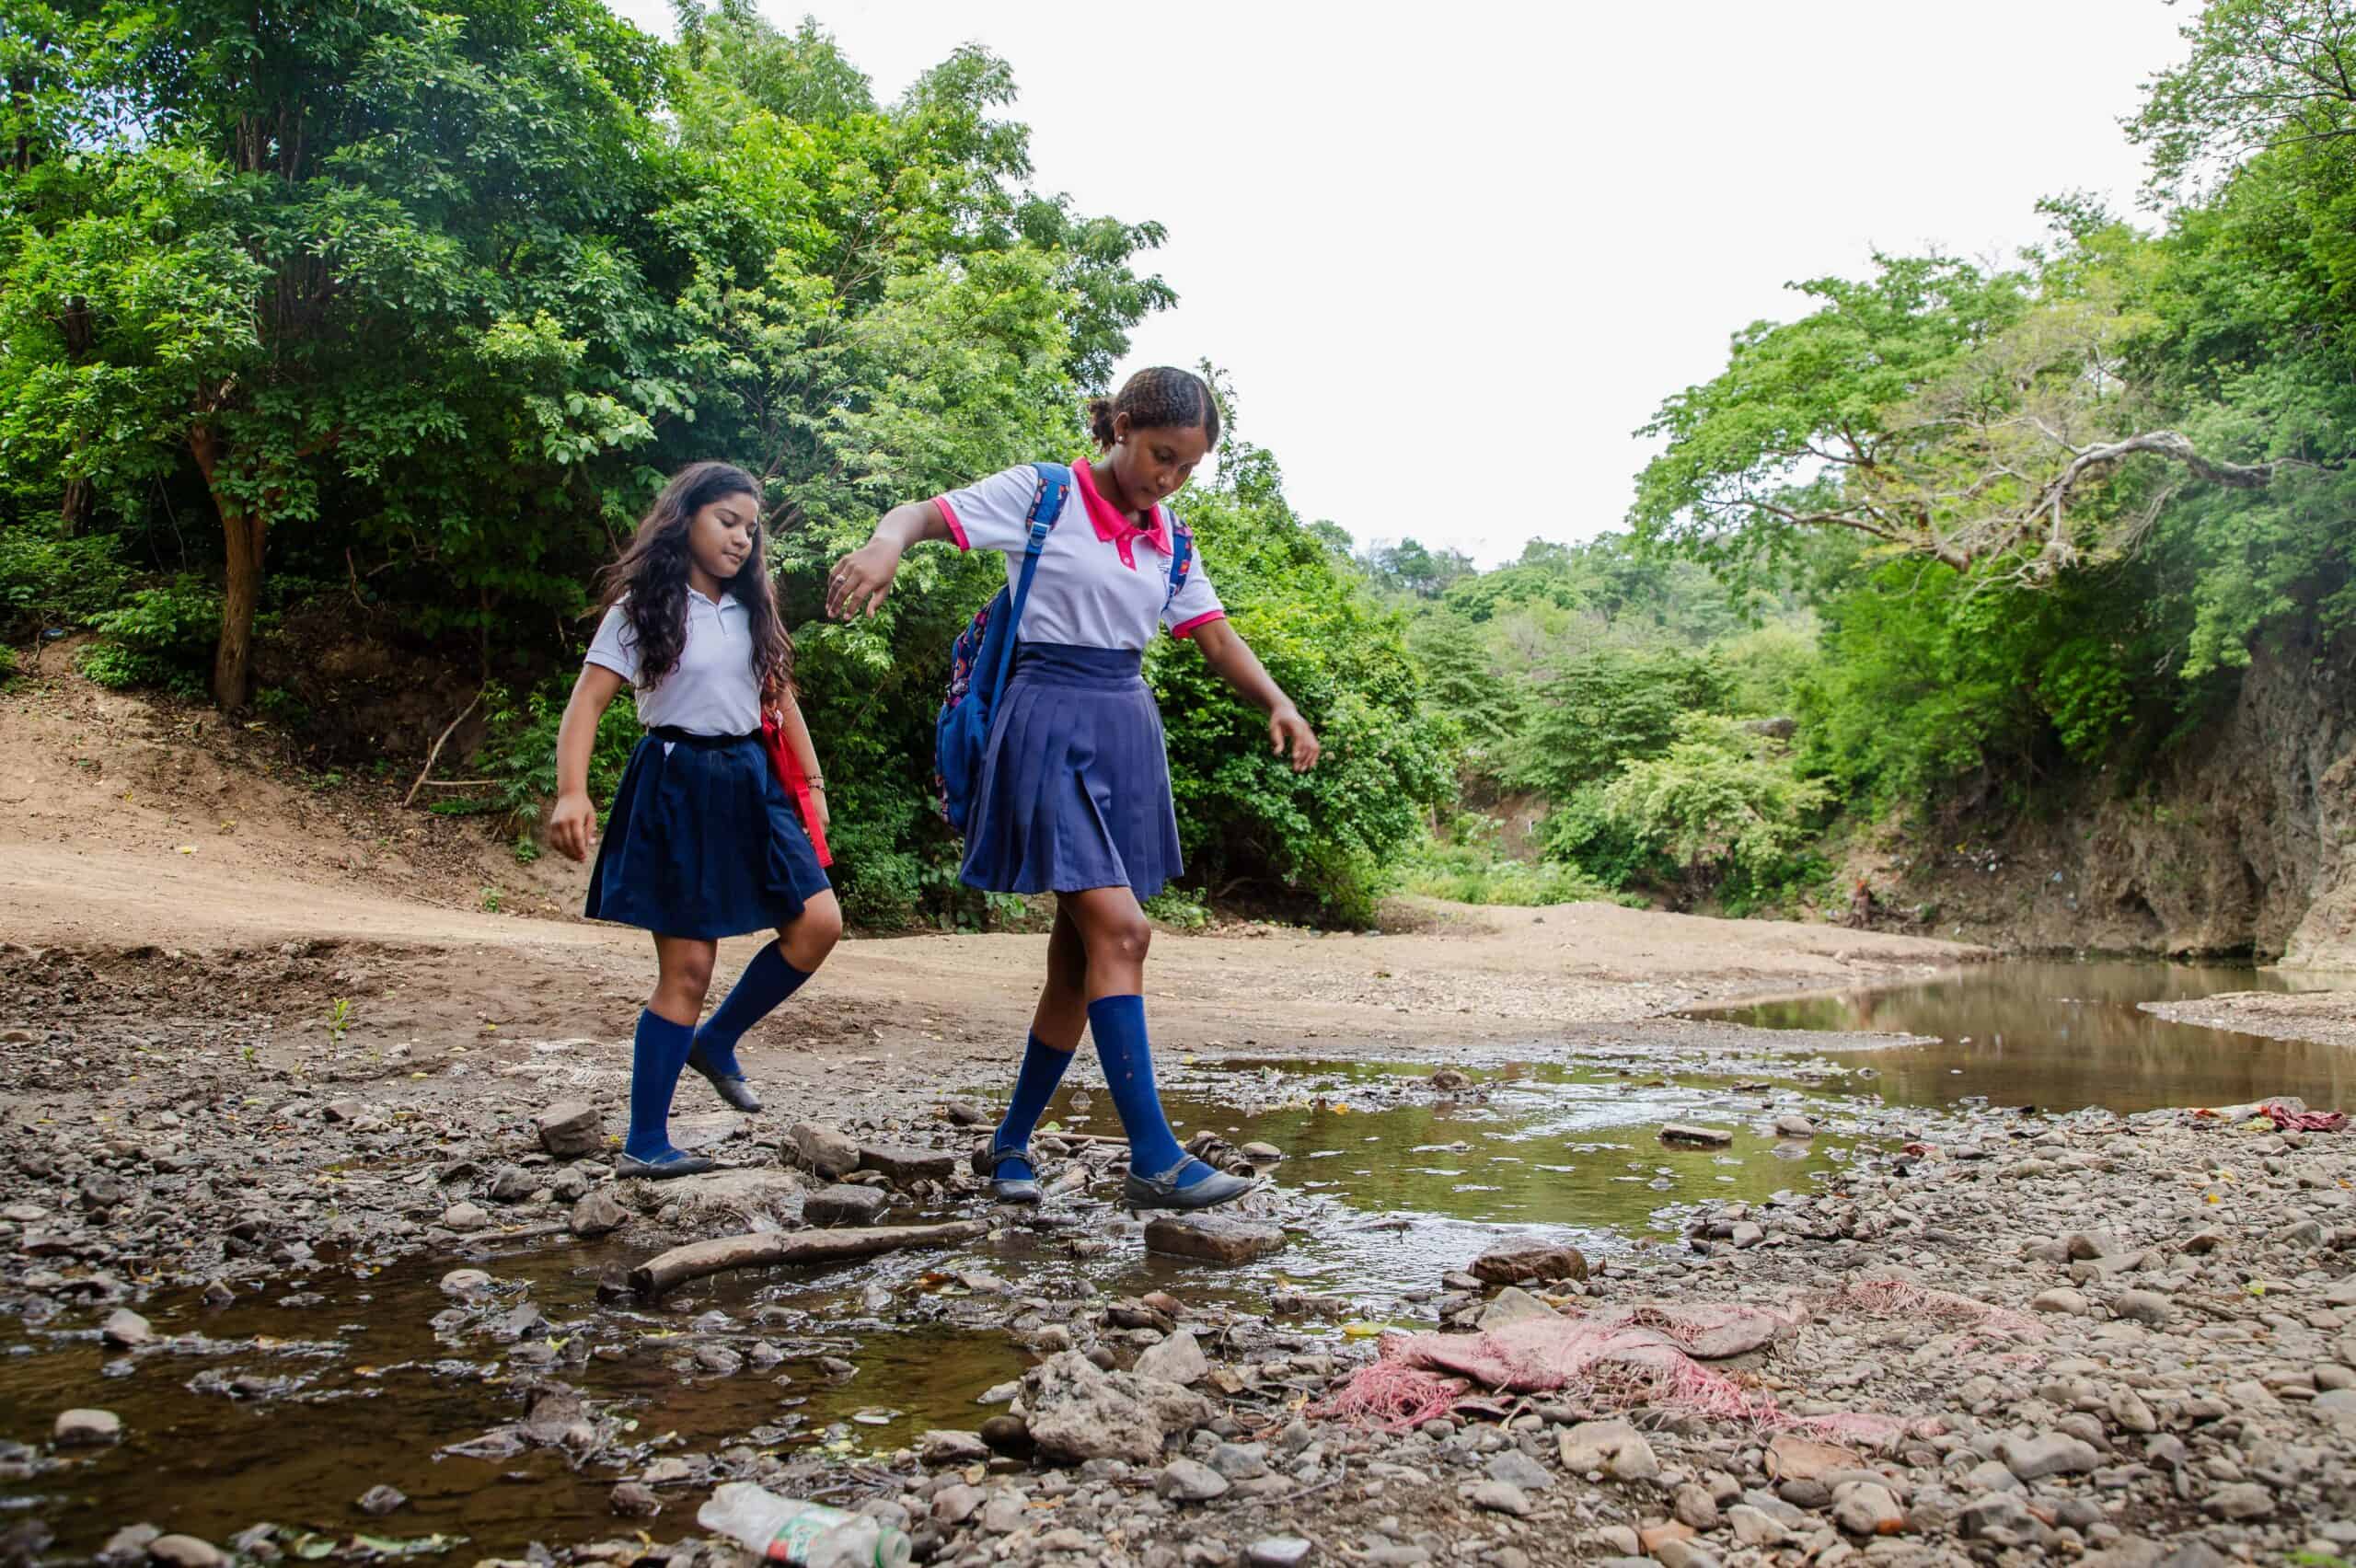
x=1118, y=1024
x=1043, y=1069
x=766, y=982
x=656, y=1056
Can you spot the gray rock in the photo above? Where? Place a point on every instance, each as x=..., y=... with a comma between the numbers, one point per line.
x=88, y=1429
x=1754, y=1527
x=466, y=1284
x=1866, y=1508
x=2242, y=1500
x=512, y=1184
x=1240, y=1461
x=1501, y=1497
x=2143, y=1307
x=381, y=1500
x=907, y=1166
x=1517, y=1468
x=2129, y=1413
x=1792, y=1125
x=128, y=1545
x=1514, y=1305
x=600, y=1212
x=1693, y=1505
x=1996, y=1511
x=2085, y=1246
x=845, y=1205
x=2034, y=1459
x=1003, y=1514
x=464, y=1217
x=1079, y=1412
x=952, y=1447
x=186, y=1551
x=1613, y=1447
x=1212, y=1237
x=1509, y=1261
x=1190, y=1480
x=571, y=1129
x=830, y=1151
x=2059, y=1300
x=127, y=1329
x=952, y=1506
x=1177, y=1359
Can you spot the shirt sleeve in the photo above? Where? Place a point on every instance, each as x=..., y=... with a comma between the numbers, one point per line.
x=615, y=647
x=1197, y=605
x=992, y=513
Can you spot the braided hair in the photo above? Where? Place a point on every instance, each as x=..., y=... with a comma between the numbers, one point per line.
x=1163, y=397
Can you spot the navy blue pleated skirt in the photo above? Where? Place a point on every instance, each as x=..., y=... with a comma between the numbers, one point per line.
x=702, y=841
x=1074, y=790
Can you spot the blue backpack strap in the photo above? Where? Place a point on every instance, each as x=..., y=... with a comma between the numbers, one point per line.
x=1182, y=558
x=1046, y=508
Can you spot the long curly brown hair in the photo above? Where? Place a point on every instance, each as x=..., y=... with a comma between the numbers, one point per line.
x=650, y=581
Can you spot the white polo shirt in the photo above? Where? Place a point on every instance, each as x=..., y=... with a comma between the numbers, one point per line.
x=713, y=691
x=1093, y=588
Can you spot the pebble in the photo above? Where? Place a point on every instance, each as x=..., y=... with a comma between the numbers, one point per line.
x=1693, y=1504
x=830, y=1151
x=1190, y=1480
x=1792, y=1125
x=951, y=1447
x=634, y=1500
x=1705, y=1138
x=598, y=1213
x=380, y=1500
x=127, y=1329
x=186, y=1551
x=1278, y=1551
x=2035, y=1459
x=1177, y=1359
x=2059, y=1300
x=464, y=1216
x=1240, y=1461
x=1866, y=1508
x=1502, y=1497
x=2245, y=1500
x=2145, y=1306
x=466, y=1283
x=1518, y=1470
x=571, y=1129
x=845, y=1205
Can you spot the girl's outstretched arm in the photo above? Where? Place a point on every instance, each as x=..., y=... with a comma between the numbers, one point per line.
x=1224, y=648
x=573, y=826
x=860, y=579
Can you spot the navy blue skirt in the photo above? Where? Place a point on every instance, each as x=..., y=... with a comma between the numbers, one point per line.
x=1074, y=792
x=702, y=841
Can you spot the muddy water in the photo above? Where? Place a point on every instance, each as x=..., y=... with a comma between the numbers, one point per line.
x=2061, y=1036
x=1386, y=1184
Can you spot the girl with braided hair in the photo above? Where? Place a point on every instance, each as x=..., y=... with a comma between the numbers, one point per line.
x=1073, y=795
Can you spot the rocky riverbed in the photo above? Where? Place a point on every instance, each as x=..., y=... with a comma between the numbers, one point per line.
x=256, y=1313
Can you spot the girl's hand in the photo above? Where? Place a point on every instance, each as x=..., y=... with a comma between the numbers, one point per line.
x=818, y=809
x=573, y=826
x=1289, y=731
x=861, y=579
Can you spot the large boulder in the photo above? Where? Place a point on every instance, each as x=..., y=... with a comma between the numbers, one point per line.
x=1077, y=1411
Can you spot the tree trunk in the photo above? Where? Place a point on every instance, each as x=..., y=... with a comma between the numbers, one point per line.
x=241, y=532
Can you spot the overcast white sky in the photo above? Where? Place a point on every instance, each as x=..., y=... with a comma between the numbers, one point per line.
x=1495, y=235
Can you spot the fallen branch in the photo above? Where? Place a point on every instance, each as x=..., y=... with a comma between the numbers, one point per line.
x=434, y=756
x=698, y=1259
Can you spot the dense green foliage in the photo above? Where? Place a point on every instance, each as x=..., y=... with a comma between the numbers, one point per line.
x=393, y=314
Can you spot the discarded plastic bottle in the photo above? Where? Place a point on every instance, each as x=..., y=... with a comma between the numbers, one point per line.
x=806, y=1534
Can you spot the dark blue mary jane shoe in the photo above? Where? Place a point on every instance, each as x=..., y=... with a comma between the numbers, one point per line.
x=1163, y=1192
x=1012, y=1189
x=732, y=1086
x=662, y=1168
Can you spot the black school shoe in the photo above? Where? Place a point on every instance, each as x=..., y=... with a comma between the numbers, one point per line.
x=1162, y=1191
x=1013, y=1189
x=732, y=1086
x=626, y=1165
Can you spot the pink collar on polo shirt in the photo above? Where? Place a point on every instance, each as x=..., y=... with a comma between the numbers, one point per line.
x=1114, y=528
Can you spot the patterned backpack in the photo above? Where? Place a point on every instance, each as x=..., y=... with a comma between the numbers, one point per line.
x=984, y=651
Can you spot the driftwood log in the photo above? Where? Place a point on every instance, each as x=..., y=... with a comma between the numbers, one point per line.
x=698, y=1259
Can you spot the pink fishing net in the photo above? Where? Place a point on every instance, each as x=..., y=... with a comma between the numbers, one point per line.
x=1634, y=1356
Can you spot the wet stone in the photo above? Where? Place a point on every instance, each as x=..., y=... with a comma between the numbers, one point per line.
x=1792, y=1125
x=1214, y=1239
x=571, y=1129
x=1701, y=1137
x=126, y=1328
x=951, y=1447
x=465, y=1282
x=88, y=1428
x=844, y=1206
x=186, y=1551
x=380, y=1500
x=634, y=1500
x=1008, y=1435
x=128, y=1545
x=1511, y=1262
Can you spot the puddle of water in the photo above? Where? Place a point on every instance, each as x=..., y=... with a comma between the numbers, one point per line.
x=382, y=1393
x=2062, y=1035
